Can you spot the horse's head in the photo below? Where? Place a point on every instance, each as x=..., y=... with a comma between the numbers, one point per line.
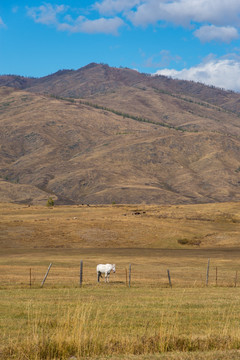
x=113, y=268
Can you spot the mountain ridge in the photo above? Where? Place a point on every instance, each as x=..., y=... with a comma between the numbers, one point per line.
x=50, y=84
x=129, y=138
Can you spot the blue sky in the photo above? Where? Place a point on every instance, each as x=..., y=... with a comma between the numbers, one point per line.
x=186, y=39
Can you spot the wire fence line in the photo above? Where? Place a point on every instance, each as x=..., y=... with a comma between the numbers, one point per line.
x=134, y=274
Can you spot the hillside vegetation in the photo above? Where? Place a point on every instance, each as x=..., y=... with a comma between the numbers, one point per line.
x=105, y=135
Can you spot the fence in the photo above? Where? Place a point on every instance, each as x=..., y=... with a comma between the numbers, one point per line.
x=154, y=274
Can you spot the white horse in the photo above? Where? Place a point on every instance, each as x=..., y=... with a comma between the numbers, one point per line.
x=105, y=269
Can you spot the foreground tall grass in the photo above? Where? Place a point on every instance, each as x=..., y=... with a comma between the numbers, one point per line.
x=109, y=320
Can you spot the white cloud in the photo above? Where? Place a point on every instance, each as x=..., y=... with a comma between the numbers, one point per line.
x=163, y=58
x=219, y=19
x=2, y=25
x=48, y=14
x=221, y=16
x=212, y=32
x=102, y=25
x=223, y=73
x=183, y=12
x=111, y=7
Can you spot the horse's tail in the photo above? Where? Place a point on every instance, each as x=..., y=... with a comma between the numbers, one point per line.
x=98, y=276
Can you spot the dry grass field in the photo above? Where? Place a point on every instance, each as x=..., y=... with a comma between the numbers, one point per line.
x=111, y=321
x=149, y=320
x=119, y=226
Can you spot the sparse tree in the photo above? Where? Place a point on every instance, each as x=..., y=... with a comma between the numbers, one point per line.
x=50, y=202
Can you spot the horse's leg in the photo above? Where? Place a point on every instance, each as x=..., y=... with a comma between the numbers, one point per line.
x=105, y=277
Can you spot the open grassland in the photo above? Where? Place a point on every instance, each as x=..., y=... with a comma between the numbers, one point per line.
x=148, y=321
x=149, y=267
x=112, y=321
x=120, y=226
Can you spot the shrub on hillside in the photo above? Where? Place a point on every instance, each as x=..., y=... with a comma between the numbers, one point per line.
x=50, y=201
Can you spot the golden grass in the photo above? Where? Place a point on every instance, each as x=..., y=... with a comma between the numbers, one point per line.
x=149, y=320
x=149, y=267
x=58, y=323
x=161, y=237
x=119, y=226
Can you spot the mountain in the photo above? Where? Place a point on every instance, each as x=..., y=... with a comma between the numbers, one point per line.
x=103, y=135
x=101, y=79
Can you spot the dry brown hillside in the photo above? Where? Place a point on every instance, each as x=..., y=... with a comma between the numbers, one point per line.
x=113, y=135
x=102, y=79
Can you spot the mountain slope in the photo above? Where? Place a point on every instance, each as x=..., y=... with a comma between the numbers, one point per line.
x=133, y=144
x=99, y=79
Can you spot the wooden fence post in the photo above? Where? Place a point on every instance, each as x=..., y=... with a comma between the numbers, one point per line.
x=46, y=275
x=208, y=265
x=169, y=278
x=236, y=276
x=81, y=273
x=129, y=279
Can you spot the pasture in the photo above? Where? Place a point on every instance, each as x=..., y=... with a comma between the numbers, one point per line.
x=149, y=320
